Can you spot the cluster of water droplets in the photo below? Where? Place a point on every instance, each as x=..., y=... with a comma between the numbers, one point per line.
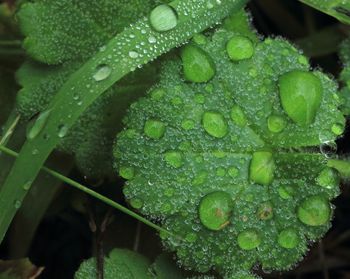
x=223, y=164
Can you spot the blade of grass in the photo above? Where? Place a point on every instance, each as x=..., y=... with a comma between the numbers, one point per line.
x=340, y=11
x=91, y=193
x=117, y=58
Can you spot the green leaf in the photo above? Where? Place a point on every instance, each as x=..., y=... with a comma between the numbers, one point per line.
x=338, y=9
x=164, y=267
x=120, y=264
x=91, y=138
x=119, y=56
x=247, y=164
x=345, y=76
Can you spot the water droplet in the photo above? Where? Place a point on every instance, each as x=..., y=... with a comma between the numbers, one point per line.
x=174, y=158
x=276, y=124
x=136, y=203
x=103, y=72
x=238, y=116
x=262, y=167
x=288, y=238
x=17, y=204
x=62, y=131
x=154, y=129
x=301, y=95
x=163, y=18
x=338, y=129
x=214, y=124
x=328, y=148
x=328, y=178
x=127, y=172
x=198, y=66
x=152, y=39
x=248, y=240
x=38, y=125
x=27, y=186
x=133, y=54
x=314, y=211
x=215, y=210
x=239, y=48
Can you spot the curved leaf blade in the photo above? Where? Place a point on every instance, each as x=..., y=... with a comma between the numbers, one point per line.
x=119, y=55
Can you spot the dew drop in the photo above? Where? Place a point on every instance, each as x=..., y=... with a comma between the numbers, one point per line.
x=27, y=186
x=248, y=240
x=152, y=39
x=38, y=125
x=17, y=204
x=133, y=54
x=314, y=211
x=215, y=210
x=288, y=238
x=62, y=131
x=103, y=72
x=214, y=124
x=163, y=18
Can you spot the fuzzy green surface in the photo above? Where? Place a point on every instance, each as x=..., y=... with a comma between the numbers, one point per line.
x=211, y=163
x=82, y=29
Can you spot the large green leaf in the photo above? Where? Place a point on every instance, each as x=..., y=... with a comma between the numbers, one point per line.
x=228, y=162
x=133, y=47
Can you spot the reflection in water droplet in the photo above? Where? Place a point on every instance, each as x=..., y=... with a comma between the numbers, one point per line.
x=103, y=72
x=38, y=125
x=328, y=148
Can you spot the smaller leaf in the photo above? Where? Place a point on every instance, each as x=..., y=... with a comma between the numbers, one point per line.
x=165, y=268
x=120, y=264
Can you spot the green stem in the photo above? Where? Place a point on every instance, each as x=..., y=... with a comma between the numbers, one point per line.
x=118, y=58
x=10, y=43
x=91, y=193
x=9, y=127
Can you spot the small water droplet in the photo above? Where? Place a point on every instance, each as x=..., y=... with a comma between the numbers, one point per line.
x=62, y=131
x=103, y=72
x=26, y=186
x=17, y=204
x=133, y=54
x=152, y=39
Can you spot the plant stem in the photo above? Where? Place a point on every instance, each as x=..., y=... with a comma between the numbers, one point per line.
x=91, y=193
x=9, y=127
x=10, y=43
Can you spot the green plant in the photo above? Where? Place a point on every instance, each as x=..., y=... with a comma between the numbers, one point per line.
x=225, y=159
x=224, y=144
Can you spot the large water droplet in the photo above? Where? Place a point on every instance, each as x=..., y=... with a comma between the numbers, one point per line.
x=38, y=125
x=314, y=211
x=215, y=210
x=163, y=18
x=103, y=72
x=248, y=240
x=214, y=124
